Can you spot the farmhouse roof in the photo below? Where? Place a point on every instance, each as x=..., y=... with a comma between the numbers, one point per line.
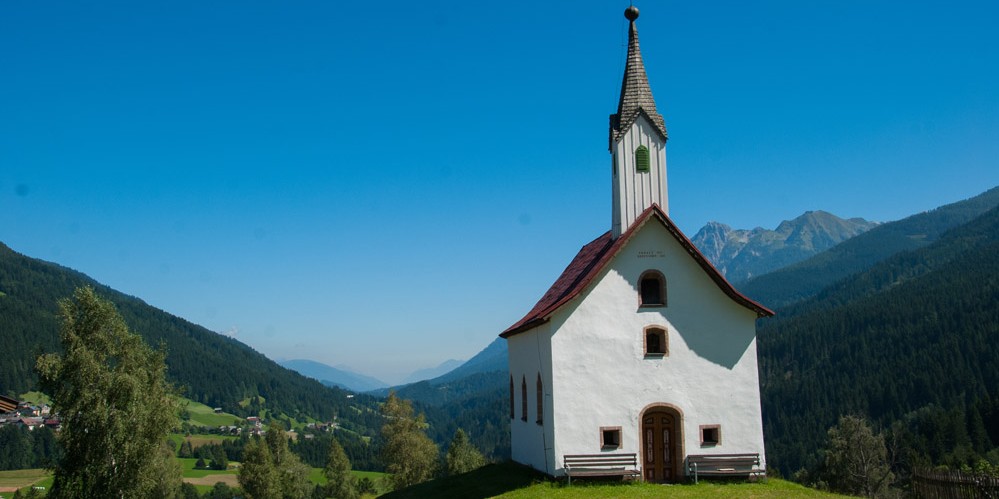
x=636, y=94
x=595, y=256
x=7, y=404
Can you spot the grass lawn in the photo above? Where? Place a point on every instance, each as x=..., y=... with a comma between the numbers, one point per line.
x=203, y=415
x=188, y=470
x=512, y=481
x=36, y=398
x=10, y=481
x=203, y=479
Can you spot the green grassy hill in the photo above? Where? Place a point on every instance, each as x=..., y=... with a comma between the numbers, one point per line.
x=201, y=415
x=512, y=481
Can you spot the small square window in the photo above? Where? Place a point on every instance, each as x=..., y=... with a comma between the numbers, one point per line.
x=610, y=437
x=656, y=343
x=710, y=435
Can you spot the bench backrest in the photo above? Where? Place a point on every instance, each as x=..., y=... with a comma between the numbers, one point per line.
x=723, y=460
x=594, y=460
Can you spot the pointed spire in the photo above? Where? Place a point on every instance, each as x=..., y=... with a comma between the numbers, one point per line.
x=636, y=95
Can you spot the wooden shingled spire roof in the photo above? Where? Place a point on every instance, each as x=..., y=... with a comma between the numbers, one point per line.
x=636, y=95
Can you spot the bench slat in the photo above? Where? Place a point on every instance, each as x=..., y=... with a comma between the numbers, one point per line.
x=600, y=465
x=723, y=465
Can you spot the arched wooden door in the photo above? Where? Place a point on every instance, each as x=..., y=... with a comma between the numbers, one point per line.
x=662, y=449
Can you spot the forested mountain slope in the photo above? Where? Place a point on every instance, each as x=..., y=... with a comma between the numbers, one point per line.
x=472, y=397
x=210, y=368
x=911, y=342
x=805, y=279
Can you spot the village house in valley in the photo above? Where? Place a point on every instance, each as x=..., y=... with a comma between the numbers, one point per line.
x=640, y=346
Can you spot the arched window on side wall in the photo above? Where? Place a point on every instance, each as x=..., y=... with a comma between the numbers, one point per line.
x=511, y=397
x=642, y=159
x=541, y=401
x=523, y=398
x=652, y=289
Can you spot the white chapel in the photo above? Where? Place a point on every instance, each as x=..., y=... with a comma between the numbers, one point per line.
x=640, y=346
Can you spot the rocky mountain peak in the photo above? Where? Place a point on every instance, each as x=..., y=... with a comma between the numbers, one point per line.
x=740, y=253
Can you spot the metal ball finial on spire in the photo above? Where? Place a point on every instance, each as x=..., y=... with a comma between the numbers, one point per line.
x=631, y=13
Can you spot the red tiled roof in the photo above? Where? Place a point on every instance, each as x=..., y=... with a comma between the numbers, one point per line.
x=593, y=257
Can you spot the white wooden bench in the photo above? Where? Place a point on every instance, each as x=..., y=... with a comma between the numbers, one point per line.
x=600, y=465
x=724, y=465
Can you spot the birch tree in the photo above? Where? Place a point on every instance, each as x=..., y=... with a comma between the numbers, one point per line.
x=116, y=406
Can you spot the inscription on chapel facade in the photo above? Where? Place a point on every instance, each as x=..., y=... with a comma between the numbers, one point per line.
x=651, y=253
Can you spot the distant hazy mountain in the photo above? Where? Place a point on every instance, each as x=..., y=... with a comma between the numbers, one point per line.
x=432, y=372
x=741, y=254
x=492, y=358
x=331, y=376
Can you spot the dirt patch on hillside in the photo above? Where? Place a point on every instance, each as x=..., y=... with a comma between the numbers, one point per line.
x=230, y=480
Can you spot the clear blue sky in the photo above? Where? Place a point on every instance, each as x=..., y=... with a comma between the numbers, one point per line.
x=386, y=185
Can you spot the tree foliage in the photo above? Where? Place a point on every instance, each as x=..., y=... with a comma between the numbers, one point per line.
x=22, y=448
x=222, y=491
x=856, y=459
x=462, y=456
x=314, y=450
x=271, y=470
x=409, y=455
x=340, y=483
x=910, y=343
x=258, y=477
x=117, y=408
x=476, y=403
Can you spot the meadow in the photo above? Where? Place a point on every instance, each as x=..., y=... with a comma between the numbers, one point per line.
x=512, y=481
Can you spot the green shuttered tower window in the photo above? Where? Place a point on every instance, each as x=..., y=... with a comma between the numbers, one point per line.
x=642, y=159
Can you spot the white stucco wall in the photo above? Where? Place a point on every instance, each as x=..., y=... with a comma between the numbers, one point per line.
x=600, y=376
x=633, y=192
x=529, y=355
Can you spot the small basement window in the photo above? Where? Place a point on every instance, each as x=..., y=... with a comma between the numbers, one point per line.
x=610, y=437
x=656, y=344
x=642, y=159
x=710, y=435
x=652, y=289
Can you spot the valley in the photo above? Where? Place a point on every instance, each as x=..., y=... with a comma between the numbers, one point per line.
x=897, y=323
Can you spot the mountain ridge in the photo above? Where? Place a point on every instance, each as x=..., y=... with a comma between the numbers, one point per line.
x=908, y=342
x=741, y=254
x=333, y=376
x=210, y=368
x=802, y=280
x=433, y=372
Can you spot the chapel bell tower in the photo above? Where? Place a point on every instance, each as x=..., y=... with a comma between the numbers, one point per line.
x=637, y=142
